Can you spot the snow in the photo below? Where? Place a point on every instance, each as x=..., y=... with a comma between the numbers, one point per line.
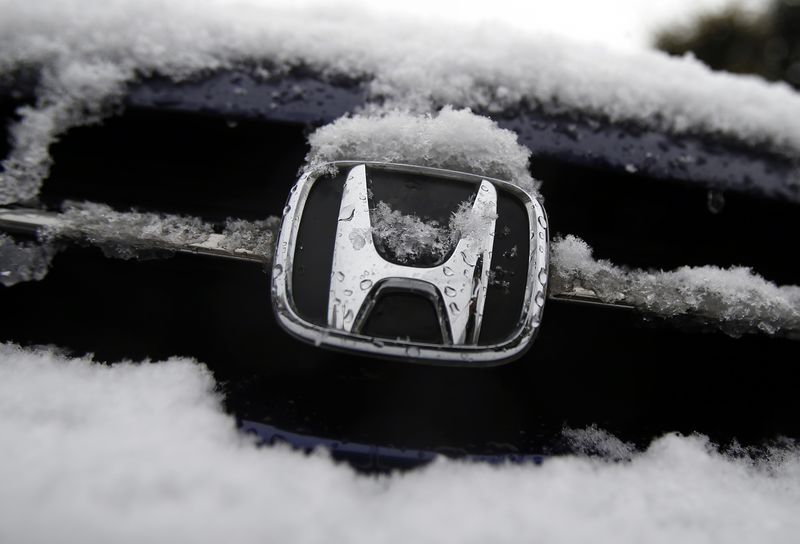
x=88, y=51
x=450, y=139
x=143, y=452
x=406, y=238
x=125, y=234
x=254, y=236
x=23, y=261
x=136, y=452
x=130, y=234
x=736, y=298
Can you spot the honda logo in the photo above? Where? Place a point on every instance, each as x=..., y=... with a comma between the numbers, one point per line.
x=478, y=302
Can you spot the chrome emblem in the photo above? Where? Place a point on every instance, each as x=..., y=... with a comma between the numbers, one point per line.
x=457, y=287
x=359, y=275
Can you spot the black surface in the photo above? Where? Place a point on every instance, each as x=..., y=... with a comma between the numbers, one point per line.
x=313, y=257
x=708, y=161
x=414, y=315
x=632, y=221
x=207, y=166
x=588, y=366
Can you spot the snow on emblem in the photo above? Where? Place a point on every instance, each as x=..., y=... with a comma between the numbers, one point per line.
x=457, y=286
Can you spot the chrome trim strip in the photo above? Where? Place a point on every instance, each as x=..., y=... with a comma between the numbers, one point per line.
x=33, y=222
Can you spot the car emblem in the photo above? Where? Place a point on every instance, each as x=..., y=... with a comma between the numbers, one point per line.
x=478, y=301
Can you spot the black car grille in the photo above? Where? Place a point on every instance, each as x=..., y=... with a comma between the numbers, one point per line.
x=635, y=378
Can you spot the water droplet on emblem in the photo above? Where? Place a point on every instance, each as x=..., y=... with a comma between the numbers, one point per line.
x=358, y=240
x=449, y=291
x=412, y=351
x=347, y=213
x=365, y=284
x=447, y=271
x=543, y=276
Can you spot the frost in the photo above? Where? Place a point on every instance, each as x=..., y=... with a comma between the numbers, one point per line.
x=408, y=239
x=736, y=299
x=20, y=262
x=450, y=139
x=85, y=460
x=88, y=51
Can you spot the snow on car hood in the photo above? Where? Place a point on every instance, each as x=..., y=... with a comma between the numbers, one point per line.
x=86, y=52
x=87, y=459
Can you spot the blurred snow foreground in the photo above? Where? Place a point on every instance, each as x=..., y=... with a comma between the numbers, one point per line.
x=87, y=459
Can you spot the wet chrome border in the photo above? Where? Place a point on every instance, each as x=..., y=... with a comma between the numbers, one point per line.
x=438, y=354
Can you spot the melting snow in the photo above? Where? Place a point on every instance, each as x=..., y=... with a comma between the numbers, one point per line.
x=85, y=460
x=737, y=298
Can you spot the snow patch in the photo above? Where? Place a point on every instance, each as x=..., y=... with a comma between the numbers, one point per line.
x=23, y=261
x=408, y=239
x=125, y=235
x=254, y=236
x=598, y=442
x=737, y=299
x=143, y=452
x=77, y=93
x=450, y=139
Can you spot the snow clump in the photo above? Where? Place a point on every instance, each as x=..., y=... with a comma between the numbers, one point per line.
x=23, y=261
x=736, y=297
x=450, y=139
x=85, y=460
